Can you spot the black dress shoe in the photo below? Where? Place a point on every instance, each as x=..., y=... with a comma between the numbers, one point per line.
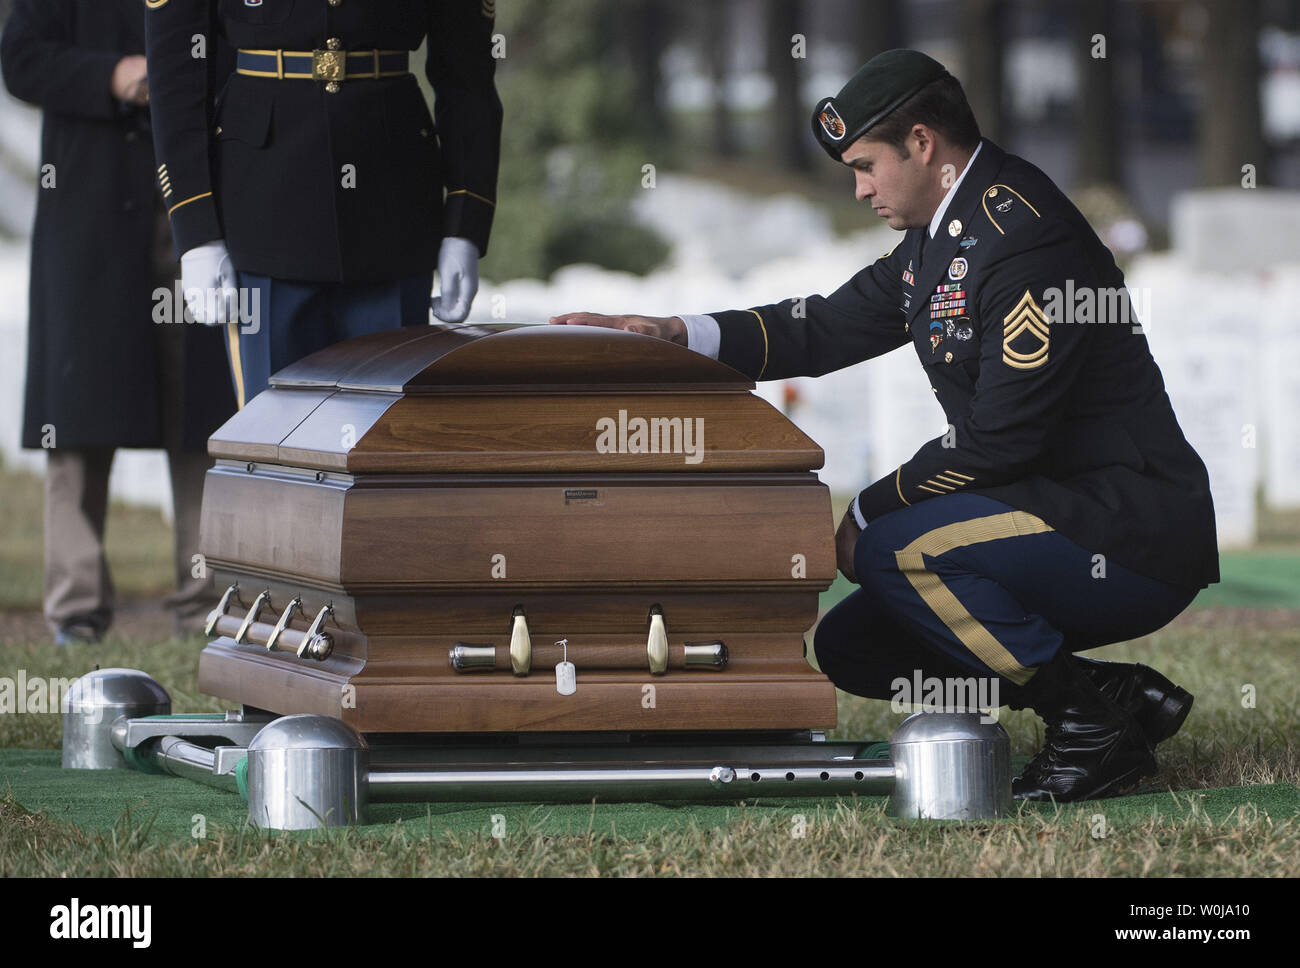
x=77, y=633
x=1095, y=748
x=1157, y=704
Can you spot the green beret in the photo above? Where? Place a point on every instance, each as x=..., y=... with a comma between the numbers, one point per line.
x=880, y=85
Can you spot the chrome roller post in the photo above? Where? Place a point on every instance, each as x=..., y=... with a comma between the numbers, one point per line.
x=90, y=708
x=950, y=766
x=306, y=772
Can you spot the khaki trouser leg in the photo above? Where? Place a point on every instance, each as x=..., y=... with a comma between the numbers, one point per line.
x=78, y=586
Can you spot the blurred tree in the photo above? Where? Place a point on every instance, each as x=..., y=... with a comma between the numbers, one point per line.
x=876, y=26
x=717, y=53
x=790, y=137
x=647, y=28
x=1097, y=45
x=574, y=144
x=1231, y=127
x=983, y=26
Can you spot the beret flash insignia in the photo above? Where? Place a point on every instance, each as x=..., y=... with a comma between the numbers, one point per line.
x=831, y=122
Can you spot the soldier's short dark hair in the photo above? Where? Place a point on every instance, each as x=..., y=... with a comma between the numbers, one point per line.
x=941, y=106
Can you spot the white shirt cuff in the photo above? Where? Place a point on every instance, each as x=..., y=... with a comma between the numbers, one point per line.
x=703, y=334
x=857, y=515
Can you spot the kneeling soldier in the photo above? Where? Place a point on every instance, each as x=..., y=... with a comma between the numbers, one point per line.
x=1063, y=509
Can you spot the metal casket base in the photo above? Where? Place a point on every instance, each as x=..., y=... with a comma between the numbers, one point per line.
x=91, y=706
x=950, y=766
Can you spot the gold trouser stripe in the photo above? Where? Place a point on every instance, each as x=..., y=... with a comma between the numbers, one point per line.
x=944, y=603
x=466, y=191
x=898, y=486
x=763, y=327
x=187, y=201
x=236, y=362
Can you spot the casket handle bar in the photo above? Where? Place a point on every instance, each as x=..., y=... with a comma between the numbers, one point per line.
x=220, y=610
x=483, y=656
x=657, y=644
x=315, y=643
x=521, y=646
x=465, y=655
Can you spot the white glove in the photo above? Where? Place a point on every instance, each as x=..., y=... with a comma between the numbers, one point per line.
x=458, y=276
x=208, y=281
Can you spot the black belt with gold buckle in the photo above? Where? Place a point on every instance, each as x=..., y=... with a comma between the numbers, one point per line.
x=331, y=66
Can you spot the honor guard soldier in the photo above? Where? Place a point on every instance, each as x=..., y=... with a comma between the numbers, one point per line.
x=1063, y=509
x=310, y=191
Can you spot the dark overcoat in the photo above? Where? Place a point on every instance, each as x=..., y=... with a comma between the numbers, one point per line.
x=92, y=367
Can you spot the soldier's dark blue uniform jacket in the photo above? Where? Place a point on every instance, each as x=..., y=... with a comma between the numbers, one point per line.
x=1060, y=417
x=305, y=178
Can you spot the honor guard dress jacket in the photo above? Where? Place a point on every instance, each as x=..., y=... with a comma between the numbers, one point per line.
x=1019, y=315
x=319, y=161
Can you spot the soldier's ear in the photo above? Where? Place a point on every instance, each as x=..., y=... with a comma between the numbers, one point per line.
x=922, y=142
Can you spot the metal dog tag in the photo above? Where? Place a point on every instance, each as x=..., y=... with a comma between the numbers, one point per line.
x=566, y=679
x=566, y=675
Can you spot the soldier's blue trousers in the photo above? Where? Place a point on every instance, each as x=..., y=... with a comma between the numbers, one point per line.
x=295, y=319
x=963, y=585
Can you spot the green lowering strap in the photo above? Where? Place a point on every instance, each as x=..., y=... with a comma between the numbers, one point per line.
x=241, y=778
x=874, y=751
x=138, y=760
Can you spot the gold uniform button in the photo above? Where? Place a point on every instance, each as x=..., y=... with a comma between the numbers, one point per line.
x=332, y=87
x=947, y=357
x=218, y=129
x=334, y=44
x=335, y=3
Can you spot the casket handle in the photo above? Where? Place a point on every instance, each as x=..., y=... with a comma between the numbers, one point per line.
x=263, y=598
x=220, y=610
x=280, y=626
x=521, y=646
x=315, y=643
x=657, y=644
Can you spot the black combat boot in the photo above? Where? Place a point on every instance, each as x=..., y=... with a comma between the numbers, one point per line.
x=1095, y=748
x=1157, y=704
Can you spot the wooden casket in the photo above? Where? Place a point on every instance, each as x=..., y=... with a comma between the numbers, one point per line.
x=419, y=525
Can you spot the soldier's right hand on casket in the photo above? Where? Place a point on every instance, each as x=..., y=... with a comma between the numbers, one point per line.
x=671, y=328
x=208, y=281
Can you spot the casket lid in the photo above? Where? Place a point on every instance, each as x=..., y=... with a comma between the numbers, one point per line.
x=439, y=358
x=513, y=399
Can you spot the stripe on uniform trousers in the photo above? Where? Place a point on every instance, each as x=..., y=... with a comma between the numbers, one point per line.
x=236, y=362
x=945, y=605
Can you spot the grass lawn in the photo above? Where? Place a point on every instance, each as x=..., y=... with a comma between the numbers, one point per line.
x=1227, y=654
